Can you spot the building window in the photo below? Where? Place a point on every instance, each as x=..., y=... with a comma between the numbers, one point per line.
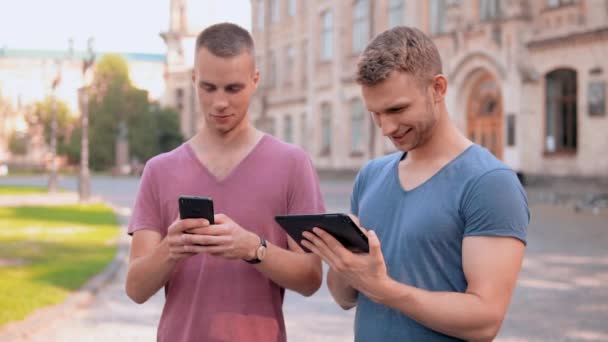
x=274, y=11
x=303, y=130
x=360, y=25
x=357, y=126
x=304, y=61
x=327, y=23
x=272, y=70
x=179, y=99
x=395, y=13
x=596, y=98
x=291, y=7
x=558, y=3
x=511, y=130
x=271, y=126
x=289, y=70
x=260, y=14
x=288, y=129
x=438, y=16
x=325, y=129
x=561, y=111
x=489, y=9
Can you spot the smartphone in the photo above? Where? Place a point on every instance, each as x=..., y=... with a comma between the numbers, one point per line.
x=196, y=207
x=338, y=225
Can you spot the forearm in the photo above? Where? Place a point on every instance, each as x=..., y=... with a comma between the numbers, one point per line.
x=298, y=272
x=149, y=273
x=462, y=315
x=343, y=293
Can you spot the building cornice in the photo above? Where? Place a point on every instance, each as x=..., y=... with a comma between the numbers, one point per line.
x=557, y=41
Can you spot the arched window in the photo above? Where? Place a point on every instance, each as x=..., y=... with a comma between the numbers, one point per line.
x=561, y=111
x=325, y=129
x=357, y=126
x=288, y=129
x=395, y=13
x=360, y=25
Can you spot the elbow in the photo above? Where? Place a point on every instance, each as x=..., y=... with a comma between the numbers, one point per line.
x=489, y=332
x=313, y=284
x=346, y=306
x=134, y=295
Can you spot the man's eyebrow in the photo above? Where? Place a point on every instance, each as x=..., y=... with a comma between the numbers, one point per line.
x=205, y=83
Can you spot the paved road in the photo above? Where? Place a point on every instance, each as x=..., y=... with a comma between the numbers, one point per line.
x=562, y=294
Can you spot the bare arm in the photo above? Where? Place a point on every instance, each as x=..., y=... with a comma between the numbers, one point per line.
x=491, y=266
x=152, y=260
x=344, y=294
x=292, y=269
x=149, y=265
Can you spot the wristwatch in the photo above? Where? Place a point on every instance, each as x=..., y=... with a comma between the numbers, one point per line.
x=260, y=253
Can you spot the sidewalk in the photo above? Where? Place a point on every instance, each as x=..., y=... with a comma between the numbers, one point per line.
x=59, y=198
x=44, y=320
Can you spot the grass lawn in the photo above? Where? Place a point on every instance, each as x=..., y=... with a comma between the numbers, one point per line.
x=47, y=252
x=20, y=190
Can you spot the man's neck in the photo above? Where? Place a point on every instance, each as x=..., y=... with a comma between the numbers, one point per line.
x=239, y=137
x=446, y=143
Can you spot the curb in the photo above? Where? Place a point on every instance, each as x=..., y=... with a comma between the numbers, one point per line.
x=43, y=317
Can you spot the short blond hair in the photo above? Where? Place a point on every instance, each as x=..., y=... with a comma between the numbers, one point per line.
x=405, y=49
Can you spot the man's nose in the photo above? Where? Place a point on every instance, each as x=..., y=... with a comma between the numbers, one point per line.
x=387, y=125
x=220, y=101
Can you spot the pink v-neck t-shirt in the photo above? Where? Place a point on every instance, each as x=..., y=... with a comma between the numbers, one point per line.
x=209, y=298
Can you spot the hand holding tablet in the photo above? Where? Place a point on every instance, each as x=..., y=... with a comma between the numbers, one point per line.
x=340, y=226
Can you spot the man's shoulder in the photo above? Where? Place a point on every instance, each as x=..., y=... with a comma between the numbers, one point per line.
x=285, y=150
x=167, y=159
x=479, y=162
x=376, y=169
x=484, y=169
x=381, y=164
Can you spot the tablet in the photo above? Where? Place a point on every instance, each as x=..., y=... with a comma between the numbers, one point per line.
x=340, y=226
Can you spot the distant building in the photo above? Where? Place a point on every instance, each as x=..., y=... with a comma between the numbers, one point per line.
x=26, y=76
x=527, y=78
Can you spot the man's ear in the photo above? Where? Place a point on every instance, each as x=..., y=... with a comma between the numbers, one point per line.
x=256, y=79
x=440, y=87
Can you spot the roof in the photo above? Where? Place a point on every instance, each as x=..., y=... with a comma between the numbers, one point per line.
x=58, y=54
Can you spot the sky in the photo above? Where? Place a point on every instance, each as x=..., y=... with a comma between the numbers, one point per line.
x=116, y=25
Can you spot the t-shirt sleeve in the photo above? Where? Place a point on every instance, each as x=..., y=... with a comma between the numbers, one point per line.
x=304, y=192
x=146, y=213
x=496, y=205
x=354, y=196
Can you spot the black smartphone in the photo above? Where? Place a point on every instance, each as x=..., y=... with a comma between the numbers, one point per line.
x=339, y=226
x=196, y=207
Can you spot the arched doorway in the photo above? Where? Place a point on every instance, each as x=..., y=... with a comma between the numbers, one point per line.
x=484, y=114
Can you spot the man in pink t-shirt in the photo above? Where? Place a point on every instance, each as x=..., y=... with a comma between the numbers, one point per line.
x=224, y=282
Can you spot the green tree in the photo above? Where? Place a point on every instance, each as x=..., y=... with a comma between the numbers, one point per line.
x=169, y=134
x=114, y=99
x=108, y=105
x=66, y=122
x=17, y=143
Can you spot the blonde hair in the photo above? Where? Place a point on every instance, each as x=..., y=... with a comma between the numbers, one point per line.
x=404, y=49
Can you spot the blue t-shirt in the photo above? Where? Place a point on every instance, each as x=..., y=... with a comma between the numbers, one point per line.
x=421, y=230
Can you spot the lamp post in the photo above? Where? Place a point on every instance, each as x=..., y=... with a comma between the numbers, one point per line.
x=52, y=183
x=84, y=179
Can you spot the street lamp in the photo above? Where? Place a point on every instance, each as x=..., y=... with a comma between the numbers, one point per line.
x=84, y=179
x=52, y=184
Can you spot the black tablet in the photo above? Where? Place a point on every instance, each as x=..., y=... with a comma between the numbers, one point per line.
x=339, y=226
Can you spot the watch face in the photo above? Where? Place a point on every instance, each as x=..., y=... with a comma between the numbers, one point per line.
x=261, y=252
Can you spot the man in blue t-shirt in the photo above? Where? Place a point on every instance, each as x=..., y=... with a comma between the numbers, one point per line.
x=452, y=219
